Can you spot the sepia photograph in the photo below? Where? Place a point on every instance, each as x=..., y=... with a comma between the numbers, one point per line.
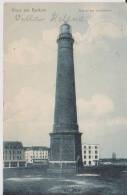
x=65, y=98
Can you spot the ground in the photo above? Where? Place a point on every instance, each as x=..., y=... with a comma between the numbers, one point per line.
x=107, y=180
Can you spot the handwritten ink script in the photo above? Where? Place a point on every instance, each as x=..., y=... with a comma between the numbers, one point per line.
x=39, y=15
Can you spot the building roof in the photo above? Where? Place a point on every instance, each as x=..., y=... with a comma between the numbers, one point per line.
x=12, y=144
x=90, y=144
x=37, y=148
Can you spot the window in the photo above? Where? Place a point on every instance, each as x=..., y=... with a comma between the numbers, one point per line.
x=96, y=156
x=89, y=147
x=89, y=162
x=84, y=162
x=84, y=146
x=96, y=151
x=85, y=151
x=89, y=156
x=95, y=147
x=89, y=152
x=84, y=156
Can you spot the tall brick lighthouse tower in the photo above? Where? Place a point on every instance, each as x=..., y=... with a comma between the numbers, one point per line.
x=65, y=140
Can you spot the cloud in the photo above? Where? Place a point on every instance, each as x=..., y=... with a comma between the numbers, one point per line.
x=104, y=27
x=102, y=30
x=117, y=121
x=29, y=116
x=28, y=108
x=24, y=52
x=97, y=105
x=28, y=104
x=105, y=22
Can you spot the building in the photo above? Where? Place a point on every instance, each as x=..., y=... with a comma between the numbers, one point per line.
x=13, y=154
x=114, y=156
x=65, y=140
x=37, y=155
x=90, y=154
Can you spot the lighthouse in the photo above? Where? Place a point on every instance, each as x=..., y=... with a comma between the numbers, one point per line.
x=65, y=139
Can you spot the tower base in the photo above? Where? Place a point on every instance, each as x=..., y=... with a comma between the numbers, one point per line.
x=66, y=156
x=63, y=167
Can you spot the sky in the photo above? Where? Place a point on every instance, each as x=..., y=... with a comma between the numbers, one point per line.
x=30, y=61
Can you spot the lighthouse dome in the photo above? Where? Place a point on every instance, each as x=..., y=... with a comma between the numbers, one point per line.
x=65, y=28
